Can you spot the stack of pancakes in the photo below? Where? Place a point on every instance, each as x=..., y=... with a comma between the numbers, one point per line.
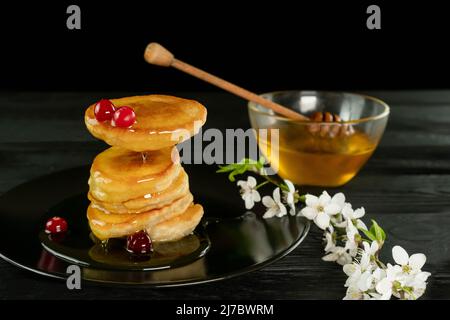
x=138, y=183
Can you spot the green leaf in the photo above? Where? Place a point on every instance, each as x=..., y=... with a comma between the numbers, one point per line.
x=383, y=234
x=243, y=166
x=368, y=234
x=226, y=168
x=261, y=161
x=378, y=232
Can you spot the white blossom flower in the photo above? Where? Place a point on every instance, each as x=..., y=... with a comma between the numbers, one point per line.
x=378, y=275
x=385, y=286
x=384, y=289
x=248, y=192
x=406, y=280
x=321, y=208
x=274, y=206
x=401, y=284
x=371, y=249
x=289, y=196
x=347, y=213
x=409, y=264
x=352, y=243
x=350, y=214
x=354, y=293
x=338, y=254
x=415, y=285
x=361, y=285
x=355, y=270
x=329, y=239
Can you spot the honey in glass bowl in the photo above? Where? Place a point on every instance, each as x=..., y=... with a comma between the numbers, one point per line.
x=308, y=158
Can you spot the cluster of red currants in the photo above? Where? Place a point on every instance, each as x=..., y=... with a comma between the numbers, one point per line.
x=120, y=117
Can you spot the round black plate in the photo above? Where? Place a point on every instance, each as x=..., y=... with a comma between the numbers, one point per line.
x=239, y=241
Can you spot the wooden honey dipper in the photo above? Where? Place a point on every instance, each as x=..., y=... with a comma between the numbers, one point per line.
x=158, y=55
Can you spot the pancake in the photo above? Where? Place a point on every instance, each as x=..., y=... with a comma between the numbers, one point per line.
x=178, y=226
x=161, y=122
x=118, y=175
x=179, y=188
x=107, y=225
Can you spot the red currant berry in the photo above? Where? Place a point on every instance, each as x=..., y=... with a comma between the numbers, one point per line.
x=139, y=243
x=104, y=110
x=124, y=117
x=56, y=225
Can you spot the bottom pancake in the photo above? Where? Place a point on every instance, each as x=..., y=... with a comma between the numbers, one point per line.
x=177, y=227
x=168, y=223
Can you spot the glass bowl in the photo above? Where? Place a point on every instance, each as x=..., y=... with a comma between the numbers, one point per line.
x=319, y=153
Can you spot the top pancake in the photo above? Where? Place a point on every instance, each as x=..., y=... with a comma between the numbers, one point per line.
x=161, y=121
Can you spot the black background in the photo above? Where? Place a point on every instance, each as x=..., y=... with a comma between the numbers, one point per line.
x=261, y=46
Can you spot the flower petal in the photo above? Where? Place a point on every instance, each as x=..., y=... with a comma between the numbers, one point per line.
x=359, y=213
x=330, y=257
x=332, y=209
x=292, y=209
x=364, y=261
x=324, y=199
x=256, y=196
x=422, y=276
x=268, y=201
x=269, y=213
x=290, y=185
x=311, y=201
x=276, y=195
x=322, y=220
x=251, y=182
x=307, y=212
x=417, y=260
x=400, y=255
x=353, y=293
x=344, y=258
x=242, y=184
x=341, y=224
x=288, y=197
x=360, y=224
x=339, y=199
x=330, y=243
x=374, y=247
x=349, y=269
x=365, y=281
x=347, y=211
x=366, y=246
x=281, y=211
x=383, y=286
x=249, y=203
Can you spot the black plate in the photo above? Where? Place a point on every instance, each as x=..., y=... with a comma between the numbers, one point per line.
x=232, y=241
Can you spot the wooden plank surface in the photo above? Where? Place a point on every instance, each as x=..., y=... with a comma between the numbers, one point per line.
x=405, y=186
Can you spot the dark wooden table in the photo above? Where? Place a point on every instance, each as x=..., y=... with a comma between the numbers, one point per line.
x=405, y=186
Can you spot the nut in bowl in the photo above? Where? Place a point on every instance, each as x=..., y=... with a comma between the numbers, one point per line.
x=327, y=151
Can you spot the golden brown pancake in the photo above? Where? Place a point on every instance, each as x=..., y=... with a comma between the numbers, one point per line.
x=118, y=175
x=161, y=122
x=107, y=225
x=179, y=188
x=178, y=226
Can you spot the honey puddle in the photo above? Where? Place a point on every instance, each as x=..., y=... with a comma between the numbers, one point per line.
x=308, y=159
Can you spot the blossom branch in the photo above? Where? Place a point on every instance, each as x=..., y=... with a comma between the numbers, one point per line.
x=358, y=253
